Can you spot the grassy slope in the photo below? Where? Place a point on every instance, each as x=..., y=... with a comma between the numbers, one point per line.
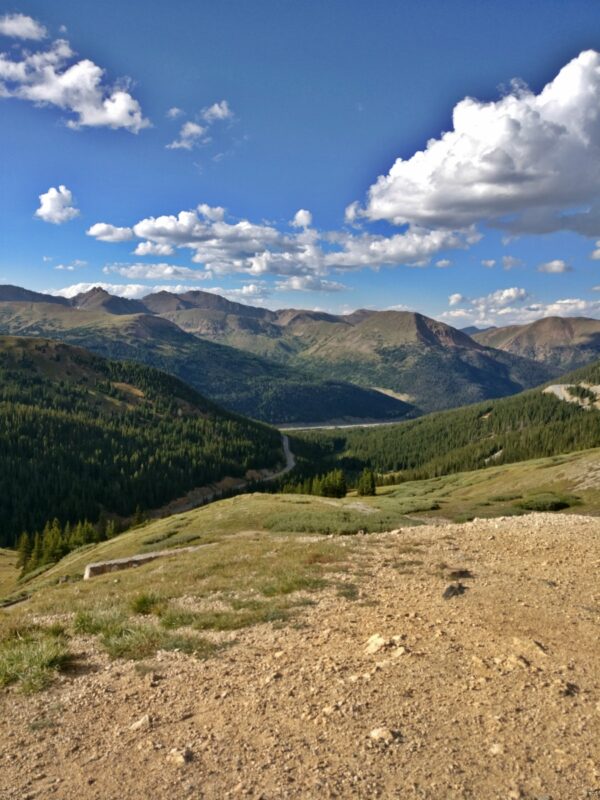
x=238, y=380
x=257, y=565
x=245, y=519
x=8, y=572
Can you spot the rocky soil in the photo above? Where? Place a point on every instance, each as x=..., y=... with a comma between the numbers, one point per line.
x=406, y=691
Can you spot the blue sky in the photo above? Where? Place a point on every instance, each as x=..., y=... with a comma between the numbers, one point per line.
x=277, y=107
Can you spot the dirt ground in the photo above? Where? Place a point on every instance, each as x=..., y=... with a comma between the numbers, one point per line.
x=391, y=691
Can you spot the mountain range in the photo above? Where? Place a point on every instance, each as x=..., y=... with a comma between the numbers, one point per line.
x=285, y=366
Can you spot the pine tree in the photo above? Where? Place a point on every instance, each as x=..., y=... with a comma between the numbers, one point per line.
x=366, y=483
x=24, y=550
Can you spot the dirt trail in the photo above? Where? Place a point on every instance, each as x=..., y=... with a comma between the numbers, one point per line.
x=493, y=694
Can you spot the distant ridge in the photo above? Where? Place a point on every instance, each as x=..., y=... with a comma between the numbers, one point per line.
x=562, y=343
x=16, y=294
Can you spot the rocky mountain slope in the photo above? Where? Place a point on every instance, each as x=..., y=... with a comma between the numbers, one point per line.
x=560, y=343
x=243, y=382
x=404, y=355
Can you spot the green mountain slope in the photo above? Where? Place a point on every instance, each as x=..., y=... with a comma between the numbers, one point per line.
x=80, y=435
x=561, y=343
x=428, y=363
x=238, y=380
x=533, y=424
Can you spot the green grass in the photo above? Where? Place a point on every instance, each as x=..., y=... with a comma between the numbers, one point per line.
x=548, y=501
x=141, y=641
x=32, y=656
x=147, y=603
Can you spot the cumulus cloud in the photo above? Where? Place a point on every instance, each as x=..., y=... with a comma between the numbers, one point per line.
x=57, y=206
x=488, y=263
x=309, y=283
x=153, y=249
x=218, y=111
x=514, y=306
x=156, y=272
x=443, y=263
x=302, y=219
x=528, y=163
x=20, y=26
x=555, y=267
x=174, y=112
x=190, y=135
x=53, y=77
x=109, y=233
x=596, y=253
x=455, y=299
x=227, y=247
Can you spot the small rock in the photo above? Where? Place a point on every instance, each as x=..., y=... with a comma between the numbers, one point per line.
x=180, y=757
x=143, y=724
x=383, y=735
x=496, y=749
x=375, y=644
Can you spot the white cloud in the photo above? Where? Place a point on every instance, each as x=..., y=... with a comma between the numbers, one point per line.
x=218, y=111
x=20, y=26
x=510, y=262
x=555, y=267
x=56, y=206
x=190, y=136
x=156, y=272
x=302, y=219
x=526, y=163
x=443, y=263
x=514, y=306
x=309, y=283
x=174, y=112
x=415, y=248
x=72, y=266
x=53, y=77
x=152, y=249
x=226, y=247
x=213, y=213
x=489, y=263
x=596, y=253
x=110, y=233
x=455, y=299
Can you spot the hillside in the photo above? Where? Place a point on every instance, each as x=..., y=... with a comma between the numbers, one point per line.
x=401, y=352
x=334, y=666
x=240, y=381
x=529, y=425
x=560, y=343
x=301, y=366
x=81, y=436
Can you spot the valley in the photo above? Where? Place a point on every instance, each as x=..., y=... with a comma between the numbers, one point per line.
x=297, y=366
